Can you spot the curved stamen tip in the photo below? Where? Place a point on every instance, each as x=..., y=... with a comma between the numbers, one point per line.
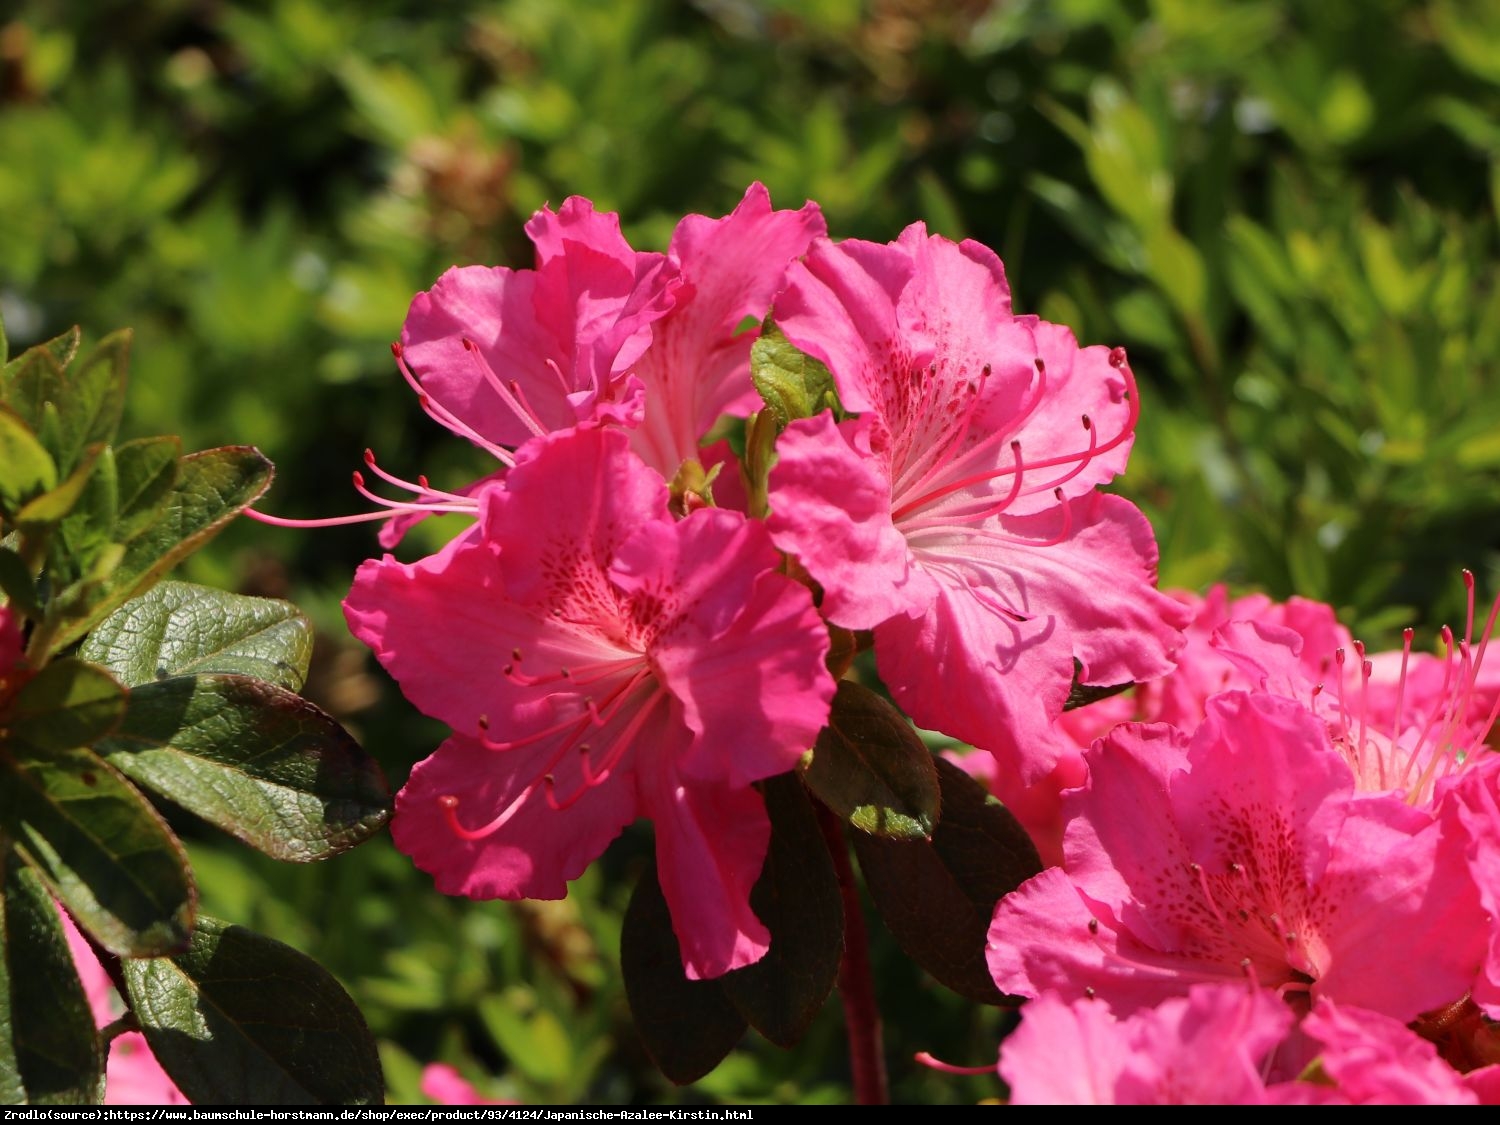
x=468, y=344
x=1117, y=357
x=1468, y=578
x=949, y=1068
x=396, y=348
x=1088, y=423
x=447, y=801
x=370, y=457
x=359, y=478
x=1407, y=634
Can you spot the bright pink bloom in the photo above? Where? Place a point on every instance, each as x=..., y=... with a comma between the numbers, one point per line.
x=1376, y=1060
x=1205, y=1048
x=698, y=365
x=446, y=1086
x=957, y=516
x=1178, y=698
x=504, y=355
x=599, y=661
x=1404, y=721
x=1243, y=853
x=1471, y=817
x=132, y=1076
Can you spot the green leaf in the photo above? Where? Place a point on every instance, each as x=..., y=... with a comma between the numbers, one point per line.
x=90, y=410
x=146, y=470
x=937, y=898
x=36, y=382
x=688, y=1026
x=239, y=1019
x=16, y=583
x=100, y=847
x=29, y=470
x=68, y=703
x=797, y=897
x=50, y=1053
x=870, y=767
x=254, y=759
x=793, y=384
x=89, y=526
x=60, y=350
x=179, y=629
x=212, y=488
x=54, y=505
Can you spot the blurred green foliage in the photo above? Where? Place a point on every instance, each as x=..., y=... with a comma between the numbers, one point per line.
x=1285, y=209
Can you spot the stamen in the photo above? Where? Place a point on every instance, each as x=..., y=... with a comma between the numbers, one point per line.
x=949, y=1068
x=444, y=417
x=524, y=414
x=1094, y=450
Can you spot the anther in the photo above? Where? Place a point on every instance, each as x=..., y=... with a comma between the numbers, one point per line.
x=1117, y=357
x=1093, y=925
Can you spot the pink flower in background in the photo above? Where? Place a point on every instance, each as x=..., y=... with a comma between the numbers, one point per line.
x=698, y=365
x=957, y=516
x=446, y=1086
x=1205, y=1048
x=1471, y=817
x=1404, y=721
x=1179, y=698
x=600, y=661
x=1243, y=853
x=132, y=1075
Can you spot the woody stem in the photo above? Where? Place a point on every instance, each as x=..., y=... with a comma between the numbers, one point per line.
x=856, y=982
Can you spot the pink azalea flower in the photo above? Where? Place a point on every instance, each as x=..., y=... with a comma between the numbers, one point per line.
x=446, y=1086
x=1471, y=816
x=1179, y=698
x=698, y=365
x=1404, y=721
x=132, y=1075
x=1373, y=1059
x=957, y=516
x=1244, y=852
x=501, y=356
x=600, y=661
x=1205, y=1048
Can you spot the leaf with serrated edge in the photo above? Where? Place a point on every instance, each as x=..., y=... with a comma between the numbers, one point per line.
x=253, y=759
x=213, y=487
x=180, y=629
x=937, y=898
x=797, y=897
x=50, y=1053
x=240, y=1019
x=688, y=1026
x=100, y=847
x=68, y=703
x=870, y=767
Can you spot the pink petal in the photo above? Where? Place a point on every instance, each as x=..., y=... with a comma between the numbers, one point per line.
x=1377, y=1060
x=698, y=365
x=711, y=843
x=538, y=849
x=1064, y=1054
x=831, y=506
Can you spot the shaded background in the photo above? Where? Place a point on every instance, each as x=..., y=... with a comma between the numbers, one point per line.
x=1286, y=211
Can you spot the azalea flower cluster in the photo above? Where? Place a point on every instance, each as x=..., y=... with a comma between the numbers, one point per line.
x=641, y=622
x=1296, y=860
x=637, y=624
